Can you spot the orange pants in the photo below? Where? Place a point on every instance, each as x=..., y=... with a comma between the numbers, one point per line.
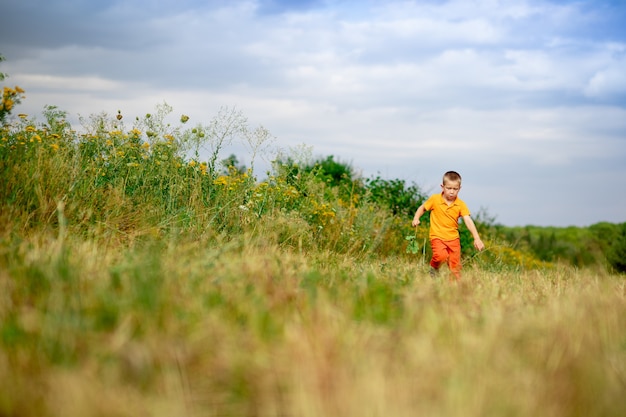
x=447, y=251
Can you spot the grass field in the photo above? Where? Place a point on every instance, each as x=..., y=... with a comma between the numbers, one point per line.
x=238, y=328
x=137, y=281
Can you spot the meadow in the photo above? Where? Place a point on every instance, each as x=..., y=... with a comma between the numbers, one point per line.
x=139, y=278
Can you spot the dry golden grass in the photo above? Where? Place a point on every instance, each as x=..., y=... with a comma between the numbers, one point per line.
x=243, y=328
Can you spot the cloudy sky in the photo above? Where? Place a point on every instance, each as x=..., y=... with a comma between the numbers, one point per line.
x=525, y=98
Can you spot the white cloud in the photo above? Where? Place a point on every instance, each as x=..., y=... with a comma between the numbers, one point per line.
x=59, y=83
x=608, y=82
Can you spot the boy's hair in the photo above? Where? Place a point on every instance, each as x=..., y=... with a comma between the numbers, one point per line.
x=451, y=176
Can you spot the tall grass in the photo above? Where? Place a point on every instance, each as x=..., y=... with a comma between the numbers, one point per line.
x=138, y=280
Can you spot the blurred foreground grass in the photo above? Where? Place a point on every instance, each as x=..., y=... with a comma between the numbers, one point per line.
x=240, y=327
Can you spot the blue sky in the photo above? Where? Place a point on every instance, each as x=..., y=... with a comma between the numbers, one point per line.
x=526, y=99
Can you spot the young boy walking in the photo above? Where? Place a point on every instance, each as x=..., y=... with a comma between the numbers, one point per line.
x=445, y=210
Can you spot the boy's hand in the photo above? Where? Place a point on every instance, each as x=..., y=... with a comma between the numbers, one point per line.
x=416, y=222
x=478, y=244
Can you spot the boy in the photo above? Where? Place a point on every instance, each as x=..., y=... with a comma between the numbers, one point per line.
x=445, y=211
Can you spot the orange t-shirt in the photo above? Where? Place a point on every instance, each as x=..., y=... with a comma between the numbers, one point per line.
x=444, y=218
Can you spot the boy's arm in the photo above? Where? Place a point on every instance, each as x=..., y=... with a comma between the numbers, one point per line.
x=420, y=211
x=478, y=244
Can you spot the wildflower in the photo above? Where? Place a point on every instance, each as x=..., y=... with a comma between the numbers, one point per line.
x=184, y=118
x=54, y=146
x=19, y=90
x=30, y=128
x=221, y=180
x=136, y=132
x=192, y=163
x=22, y=116
x=146, y=146
x=109, y=142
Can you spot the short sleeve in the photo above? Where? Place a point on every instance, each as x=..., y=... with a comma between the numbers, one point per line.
x=430, y=203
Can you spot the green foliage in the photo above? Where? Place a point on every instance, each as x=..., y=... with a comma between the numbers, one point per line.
x=578, y=246
x=394, y=194
x=413, y=246
x=334, y=173
x=616, y=253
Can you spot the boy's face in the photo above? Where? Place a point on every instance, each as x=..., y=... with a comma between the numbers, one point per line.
x=450, y=189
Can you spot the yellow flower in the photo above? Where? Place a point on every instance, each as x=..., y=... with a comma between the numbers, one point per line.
x=136, y=132
x=54, y=146
x=221, y=180
x=22, y=116
x=109, y=142
x=30, y=128
x=146, y=145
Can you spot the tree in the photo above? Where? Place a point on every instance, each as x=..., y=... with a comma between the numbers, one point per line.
x=232, y=163
x=333, y=172
x=403, y=200
x=616, y=254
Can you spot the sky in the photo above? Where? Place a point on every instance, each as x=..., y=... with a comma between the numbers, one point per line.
x=526, y=99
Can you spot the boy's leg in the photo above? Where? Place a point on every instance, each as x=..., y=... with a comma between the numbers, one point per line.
x=454, y=257
x=440, y=253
